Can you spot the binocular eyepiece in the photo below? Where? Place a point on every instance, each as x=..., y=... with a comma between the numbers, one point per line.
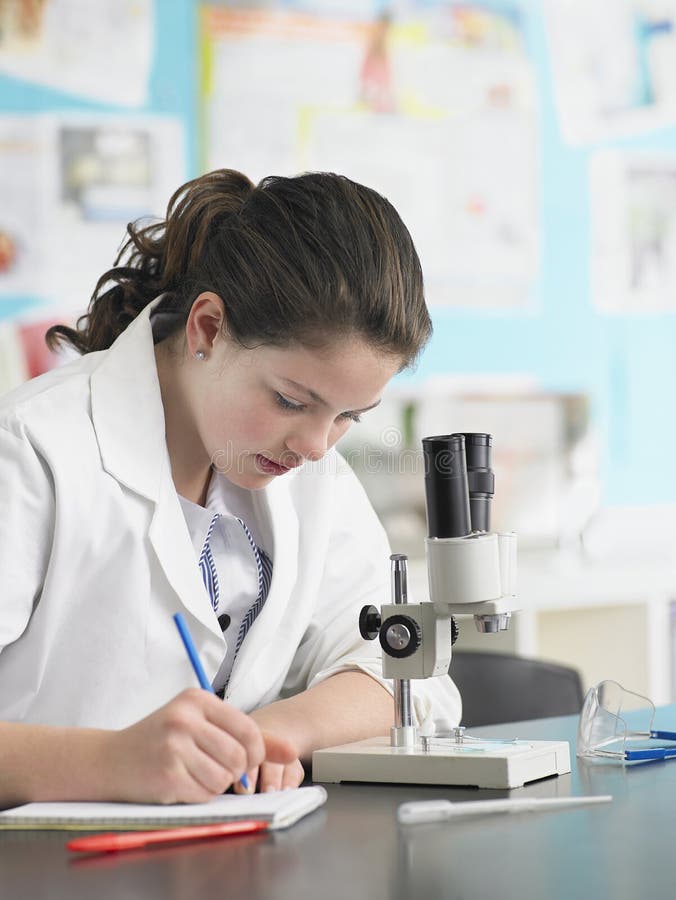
x=459, y=484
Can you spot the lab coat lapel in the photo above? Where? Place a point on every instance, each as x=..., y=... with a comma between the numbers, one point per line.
x=279, y=523
x=127, y=410
x=170, y=539
x=128, y=417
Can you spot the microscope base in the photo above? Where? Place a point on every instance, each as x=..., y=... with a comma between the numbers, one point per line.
x=506, y=766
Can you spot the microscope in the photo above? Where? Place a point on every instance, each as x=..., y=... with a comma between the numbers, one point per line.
x=471, y=571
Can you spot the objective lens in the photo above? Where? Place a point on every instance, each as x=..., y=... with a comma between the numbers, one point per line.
x=446, y=490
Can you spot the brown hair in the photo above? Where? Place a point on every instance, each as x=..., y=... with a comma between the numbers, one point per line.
x=293, y=260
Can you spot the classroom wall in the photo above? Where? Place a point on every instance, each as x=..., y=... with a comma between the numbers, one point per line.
x=626, y=363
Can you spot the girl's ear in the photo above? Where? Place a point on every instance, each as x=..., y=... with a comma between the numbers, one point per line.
x=206, y=321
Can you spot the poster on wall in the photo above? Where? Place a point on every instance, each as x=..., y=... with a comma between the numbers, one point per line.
x=432, y=104
x=98, y=50
x=105, y=172
x=70, y=185
x=613, y=66
x=633, y=231
x=21, y=206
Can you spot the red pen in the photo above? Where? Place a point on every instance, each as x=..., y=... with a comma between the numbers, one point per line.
x=131, y=840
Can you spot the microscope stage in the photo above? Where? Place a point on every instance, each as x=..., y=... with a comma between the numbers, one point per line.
x=503, y=766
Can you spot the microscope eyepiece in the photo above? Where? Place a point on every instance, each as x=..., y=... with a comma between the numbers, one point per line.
x=446, y=487
x=480, y=479
x=459, y=484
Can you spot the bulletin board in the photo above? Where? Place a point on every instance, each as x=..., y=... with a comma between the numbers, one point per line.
x=433, y=105
x=530, y=146
x=92, y=136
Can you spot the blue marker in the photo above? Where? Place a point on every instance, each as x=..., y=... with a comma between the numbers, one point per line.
x=191, y=650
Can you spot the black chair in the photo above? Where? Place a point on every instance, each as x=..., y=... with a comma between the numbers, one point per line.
x=500, y=687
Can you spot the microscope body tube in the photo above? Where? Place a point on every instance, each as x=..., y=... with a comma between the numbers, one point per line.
x=464, y=571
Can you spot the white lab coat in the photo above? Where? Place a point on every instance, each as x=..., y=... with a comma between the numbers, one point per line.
x=95, y=557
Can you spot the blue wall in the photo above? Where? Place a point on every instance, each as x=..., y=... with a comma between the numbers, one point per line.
x=627, y=364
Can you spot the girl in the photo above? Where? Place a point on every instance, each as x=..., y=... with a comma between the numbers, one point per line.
x=185, y=462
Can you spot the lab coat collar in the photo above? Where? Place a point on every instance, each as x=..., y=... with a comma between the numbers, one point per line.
x=127, y=409
x=128, y=418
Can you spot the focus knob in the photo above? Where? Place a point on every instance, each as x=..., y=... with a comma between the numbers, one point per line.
x=369, y=623
x=455, y=631
x=400, y=636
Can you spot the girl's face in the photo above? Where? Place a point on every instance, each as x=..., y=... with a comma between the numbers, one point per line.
x=261, y=413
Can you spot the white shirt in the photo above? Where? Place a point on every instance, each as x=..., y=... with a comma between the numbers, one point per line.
x=229, y=499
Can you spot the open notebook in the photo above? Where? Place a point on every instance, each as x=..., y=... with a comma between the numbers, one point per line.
x=279, y=808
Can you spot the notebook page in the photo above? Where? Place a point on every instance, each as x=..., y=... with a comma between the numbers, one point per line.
x=279, y=808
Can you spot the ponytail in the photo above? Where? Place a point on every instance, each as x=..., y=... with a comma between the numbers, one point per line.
x=297, y=259
x=155, y=259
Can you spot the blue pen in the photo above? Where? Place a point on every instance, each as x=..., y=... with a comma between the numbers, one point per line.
x=191, y=650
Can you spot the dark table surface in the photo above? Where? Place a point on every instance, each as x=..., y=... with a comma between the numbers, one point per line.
x=353, y=847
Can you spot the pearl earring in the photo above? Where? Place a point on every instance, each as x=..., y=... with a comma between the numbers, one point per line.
x=200, y=354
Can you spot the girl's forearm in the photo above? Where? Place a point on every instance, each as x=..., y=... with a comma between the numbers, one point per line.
x=42, y=762
x=349, y=706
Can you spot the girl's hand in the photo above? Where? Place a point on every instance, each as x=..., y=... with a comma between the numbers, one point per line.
x=189, y=751
x=273, y=776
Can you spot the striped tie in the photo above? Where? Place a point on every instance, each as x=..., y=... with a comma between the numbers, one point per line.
x=264, y=567
x=208, y=567
x=210, y=578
